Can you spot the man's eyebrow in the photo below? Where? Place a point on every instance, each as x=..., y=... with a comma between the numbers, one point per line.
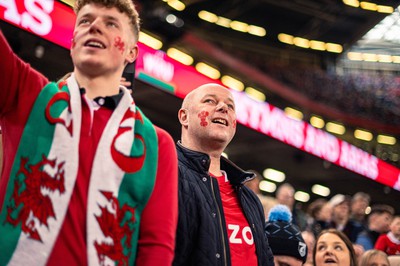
x=111, y=17
x=214, y=96
x=85, y=15
x=91, y=15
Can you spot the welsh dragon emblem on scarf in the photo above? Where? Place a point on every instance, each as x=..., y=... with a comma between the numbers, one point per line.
x=44, y=174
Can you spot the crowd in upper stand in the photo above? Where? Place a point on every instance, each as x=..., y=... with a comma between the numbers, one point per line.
x=374, y=96
x=371, y=95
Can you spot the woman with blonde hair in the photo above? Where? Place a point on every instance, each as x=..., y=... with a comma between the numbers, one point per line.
x=374, y=257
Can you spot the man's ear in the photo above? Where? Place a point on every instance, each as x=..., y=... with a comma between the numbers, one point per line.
x=183, y=116
x=133, y=54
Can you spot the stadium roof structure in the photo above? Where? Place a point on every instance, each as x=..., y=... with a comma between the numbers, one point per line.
x=234, y=23
x=384, y=38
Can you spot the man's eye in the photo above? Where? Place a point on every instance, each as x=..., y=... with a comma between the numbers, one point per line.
x=83, y=21
x=112, y=24
x=209, y=101
x=231, y=106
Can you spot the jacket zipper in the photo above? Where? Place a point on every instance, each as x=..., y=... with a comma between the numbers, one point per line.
x=220, y=222
x=251, y=224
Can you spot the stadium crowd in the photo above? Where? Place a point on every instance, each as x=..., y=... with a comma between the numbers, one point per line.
x=368, y=94
x=374, y=96
x=367, y=227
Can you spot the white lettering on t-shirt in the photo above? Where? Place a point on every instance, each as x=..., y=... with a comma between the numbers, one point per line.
x=237, y=236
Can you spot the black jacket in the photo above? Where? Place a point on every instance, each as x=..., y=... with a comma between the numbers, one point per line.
x=201, y=234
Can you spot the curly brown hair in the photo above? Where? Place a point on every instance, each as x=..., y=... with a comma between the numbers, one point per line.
x=124, y=6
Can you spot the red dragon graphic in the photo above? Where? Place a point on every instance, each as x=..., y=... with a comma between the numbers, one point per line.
x=28, y=201
x=117, y=225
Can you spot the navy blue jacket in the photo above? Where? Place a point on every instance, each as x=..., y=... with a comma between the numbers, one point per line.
x=202, y=237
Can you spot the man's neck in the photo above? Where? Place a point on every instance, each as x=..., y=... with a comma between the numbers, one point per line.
x=213, y=152
x=103, y=85
x=215, y=164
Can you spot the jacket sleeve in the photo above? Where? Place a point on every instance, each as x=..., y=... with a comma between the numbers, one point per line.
x=159, y=218
x=185, y=238
x=19, y=82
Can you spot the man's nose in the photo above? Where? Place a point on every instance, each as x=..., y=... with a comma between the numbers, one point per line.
x=95, y=26
x=222, y=107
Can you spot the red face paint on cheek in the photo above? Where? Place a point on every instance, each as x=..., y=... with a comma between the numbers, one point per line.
x=234, y=124
x=203, y=115
x=119, y=44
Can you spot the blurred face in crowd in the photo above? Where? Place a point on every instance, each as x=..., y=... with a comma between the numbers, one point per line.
x=325, y=214
x=254, y=184
x=395, y=227
x=377, y=260
x=285, y=196
x=281, y=260
x=382, y=222
x=331, y=250
x=208, y=117
x=342, y=210
x=359, y=206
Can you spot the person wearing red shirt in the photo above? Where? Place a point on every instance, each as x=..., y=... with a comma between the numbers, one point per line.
x=221, y=221
x=390, y=242
x=87, y=178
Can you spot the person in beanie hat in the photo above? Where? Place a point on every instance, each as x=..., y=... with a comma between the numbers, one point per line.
x=285, y=240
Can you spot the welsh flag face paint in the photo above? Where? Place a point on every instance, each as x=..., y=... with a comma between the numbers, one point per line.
x=203, y=118
x=119, y=44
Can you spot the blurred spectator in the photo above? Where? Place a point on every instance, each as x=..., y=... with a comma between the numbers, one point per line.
x=285, y=195
x=379, y=221
x=320, y=216
x=284, y=237
x=374, y=257
x=309, y=238
x=254, y=184
x=390, y=242
x=341, y=217
x=334, y=248
x=359, y=204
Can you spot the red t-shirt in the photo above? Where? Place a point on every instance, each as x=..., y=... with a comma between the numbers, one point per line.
x=389, y=244
x=241, y=241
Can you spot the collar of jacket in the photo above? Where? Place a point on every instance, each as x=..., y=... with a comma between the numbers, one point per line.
x=200, y=162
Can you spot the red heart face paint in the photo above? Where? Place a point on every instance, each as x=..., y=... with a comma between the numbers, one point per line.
x=203, y=115
x=119, y=44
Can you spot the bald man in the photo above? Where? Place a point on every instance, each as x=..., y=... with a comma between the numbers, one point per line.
x=221, y=222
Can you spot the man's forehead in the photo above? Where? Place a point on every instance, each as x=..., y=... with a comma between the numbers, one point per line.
x=95, y=9
x=214, y=91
